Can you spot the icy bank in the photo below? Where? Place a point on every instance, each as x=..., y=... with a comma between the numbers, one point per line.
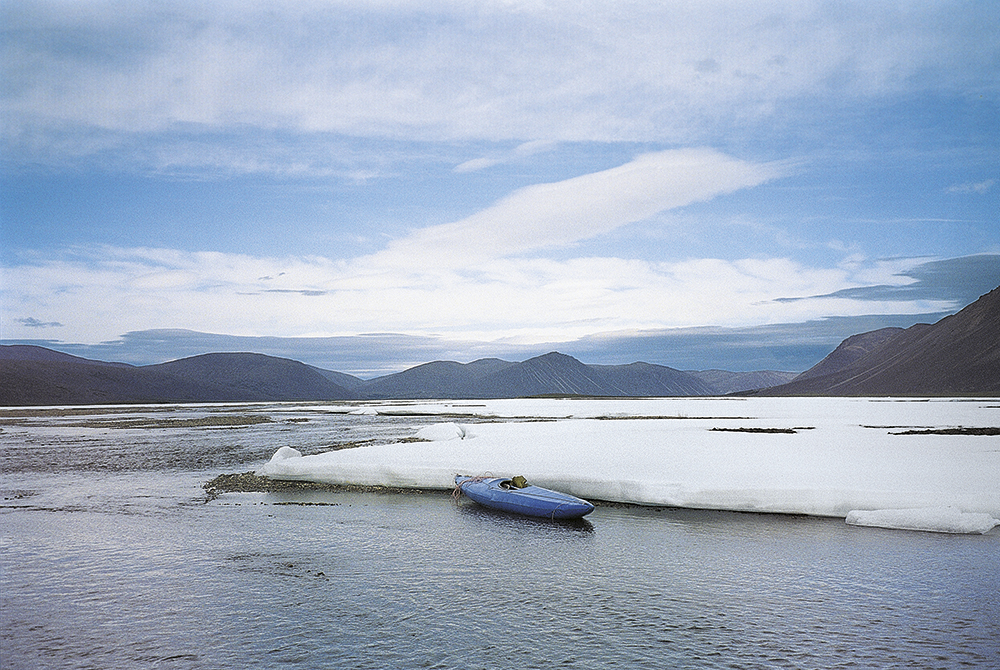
x=835, y=456
x=934, y=519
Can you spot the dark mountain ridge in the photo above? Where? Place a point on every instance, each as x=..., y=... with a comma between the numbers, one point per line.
x=959, y=355
x=38, y=376
x=34, y=353
x=646, y=379
x=255, y=377
x=40, y=379
x=850, y=351
x=438, y=379
x=550, y=374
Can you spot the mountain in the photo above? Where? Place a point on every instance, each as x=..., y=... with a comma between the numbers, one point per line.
x=38, y=376
x=550, y=374
x=30, y=377
x=646, y=379
x=349, y=382
x=852, y=349
x=553, y=373
x=250, y=376
x=958, y=355
x=724, y=382
x=60, y=382
x=30, y=352
x=440, y=379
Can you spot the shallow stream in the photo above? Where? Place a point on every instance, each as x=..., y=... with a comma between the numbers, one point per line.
x=112, y=556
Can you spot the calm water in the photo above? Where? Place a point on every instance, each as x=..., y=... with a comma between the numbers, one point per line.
x=112, y=557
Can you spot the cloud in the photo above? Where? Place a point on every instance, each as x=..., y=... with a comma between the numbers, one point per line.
x=696, y=313
x=101, y=293
x=32, y=322
x=520, y=152
x=476, y=164
x=959, y=280
x=469, y=278
x=89, y=78
x=562, y=213
x=972, y=187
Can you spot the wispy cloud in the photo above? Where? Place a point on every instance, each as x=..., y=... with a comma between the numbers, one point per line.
x=602, y=310
x=94, y=77
x=520, y=152
x=559, y=214
x=972, y=187
x=32, y=322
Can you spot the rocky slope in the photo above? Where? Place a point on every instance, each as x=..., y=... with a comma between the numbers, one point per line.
x=957, y=356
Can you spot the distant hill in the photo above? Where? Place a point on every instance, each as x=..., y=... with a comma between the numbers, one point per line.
x=30, y=352
x=724, y=382
x=646, y=379
x=349, y=382
x=33, y=382
x=39, y=376
x=439, y=379
x=255, y=377
x=958, y=355
x=551, y=374
x=30, y=377
x=556, y=373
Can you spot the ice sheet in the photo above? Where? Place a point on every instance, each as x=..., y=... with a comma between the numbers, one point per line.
x=842, y=455
x=934, y=519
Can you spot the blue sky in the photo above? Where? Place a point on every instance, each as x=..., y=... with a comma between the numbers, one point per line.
x=370, y=185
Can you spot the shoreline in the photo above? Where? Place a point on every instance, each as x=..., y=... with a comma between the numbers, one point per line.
x=250, y=482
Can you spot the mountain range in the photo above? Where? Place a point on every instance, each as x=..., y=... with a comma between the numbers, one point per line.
x=959, y=355
x=37, y=376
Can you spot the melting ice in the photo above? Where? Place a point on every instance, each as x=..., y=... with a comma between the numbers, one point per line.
x=832, y=457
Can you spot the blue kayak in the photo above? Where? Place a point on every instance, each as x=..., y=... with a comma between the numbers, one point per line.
x=515, y=495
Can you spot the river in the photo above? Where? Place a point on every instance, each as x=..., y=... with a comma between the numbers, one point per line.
x=113, y=556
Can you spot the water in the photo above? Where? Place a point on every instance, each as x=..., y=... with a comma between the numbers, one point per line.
x=113, y=557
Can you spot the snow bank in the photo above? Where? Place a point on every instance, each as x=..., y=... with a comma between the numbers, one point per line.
x=442, y=431
x=935, y=519
x=841, y=458
x=285, y=453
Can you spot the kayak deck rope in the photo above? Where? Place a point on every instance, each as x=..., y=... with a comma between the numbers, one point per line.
x=457, y=492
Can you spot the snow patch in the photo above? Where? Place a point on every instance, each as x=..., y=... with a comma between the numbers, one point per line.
x=439, y=432
x=934, y=519
x=285, y=453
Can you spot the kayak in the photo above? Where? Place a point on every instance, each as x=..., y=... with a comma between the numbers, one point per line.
x=515, y=495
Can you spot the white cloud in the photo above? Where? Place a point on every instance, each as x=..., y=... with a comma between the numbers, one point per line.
x=477, y=164
x=520, y=152
x=476, y=278
x=972, y=187
x=100, y=295
x=562, y=213
x=661, y=72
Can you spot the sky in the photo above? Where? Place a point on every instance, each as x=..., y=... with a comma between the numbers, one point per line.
x=365, y=186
